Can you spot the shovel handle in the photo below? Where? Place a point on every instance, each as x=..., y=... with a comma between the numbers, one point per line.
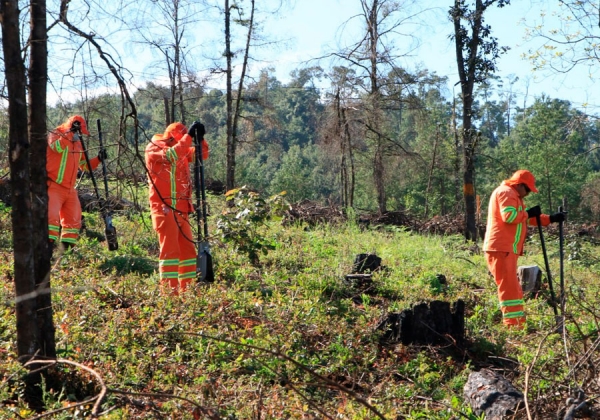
x=552, y=295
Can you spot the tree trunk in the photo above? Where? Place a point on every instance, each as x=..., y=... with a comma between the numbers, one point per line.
x=348, y=138
x=467, y=72
x=230, y=175
x=378, y=171
x=27, y=330
x=38, y=71
x=29, y=340
x=231, y=155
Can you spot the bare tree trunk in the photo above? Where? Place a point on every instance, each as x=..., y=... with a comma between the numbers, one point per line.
x=230, y=176
x=38, y=72
x=431, y=168
x=467, y=72
x=378, y=168
x=469, y=146
x=231, y=154
x=168, y=119
x=341, y=133
x=457, y=194
x=347, y=175
x=171, y=102
x=19, y=147
x=378, y=173
x=351, y=159
x=178, y=35
x=29, y=340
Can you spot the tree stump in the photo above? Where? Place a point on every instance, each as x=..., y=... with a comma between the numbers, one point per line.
x=433, y=323
x=366, y=262
x=489, y=392
x=530, y=277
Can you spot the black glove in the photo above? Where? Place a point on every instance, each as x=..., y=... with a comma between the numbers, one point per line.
x=197, y=130
x=534, y=211
x=76, y=127
x=102, y=155
x=558, y=217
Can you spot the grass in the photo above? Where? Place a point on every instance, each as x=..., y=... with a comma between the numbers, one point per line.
x=287, y=337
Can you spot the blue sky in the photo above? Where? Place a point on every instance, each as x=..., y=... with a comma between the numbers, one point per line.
x=314, y=29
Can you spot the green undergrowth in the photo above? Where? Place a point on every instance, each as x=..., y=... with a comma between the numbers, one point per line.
x=285, y=335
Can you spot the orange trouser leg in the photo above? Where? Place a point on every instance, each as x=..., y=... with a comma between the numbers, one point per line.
x=64, y=210
x=503, y=266
x=177, y=257
x=187, y=252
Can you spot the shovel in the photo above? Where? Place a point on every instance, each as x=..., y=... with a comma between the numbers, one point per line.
x=109, y=230
x=111, y=233
x=559, y=320
x=204, y=263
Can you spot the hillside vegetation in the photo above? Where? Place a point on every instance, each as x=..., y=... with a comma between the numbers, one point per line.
x=286, y=336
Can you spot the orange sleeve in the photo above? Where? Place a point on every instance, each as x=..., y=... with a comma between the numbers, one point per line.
x=544, y=219
x=511, y=210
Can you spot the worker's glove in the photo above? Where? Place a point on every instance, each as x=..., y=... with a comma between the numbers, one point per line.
x=76, y=127
x=102, y=155
x=558, y=217
x=197, y=130
x=534, y=211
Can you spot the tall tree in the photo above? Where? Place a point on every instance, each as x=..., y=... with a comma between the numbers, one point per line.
x=167, y=27
x=234, y=108
x=476, y=55
x=27, y=160
x=373, y=57
x=38, y=79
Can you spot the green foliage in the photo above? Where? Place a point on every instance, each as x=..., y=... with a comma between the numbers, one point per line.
x=551, y=141
x=243, y=222
x=226, y=341
x=431, y=281
x=124, y=264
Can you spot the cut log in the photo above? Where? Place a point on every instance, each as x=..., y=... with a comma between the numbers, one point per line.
x=530, y=277
x=436, y=322
x=491, y=393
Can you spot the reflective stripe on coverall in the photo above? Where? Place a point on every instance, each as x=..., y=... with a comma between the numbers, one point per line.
x=64, y=157
x=168, y=158
x=504, y=238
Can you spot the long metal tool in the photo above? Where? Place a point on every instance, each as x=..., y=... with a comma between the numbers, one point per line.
x=548, y=275
x=204, y=262
x=109, y=230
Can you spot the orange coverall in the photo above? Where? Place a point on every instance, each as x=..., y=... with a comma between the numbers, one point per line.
x=64, y=156
x=168, y=157
x=503, y=244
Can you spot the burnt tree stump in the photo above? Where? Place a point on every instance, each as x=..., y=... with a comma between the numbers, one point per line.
x=491, y=393
x=362, y=271
x=436, y=322
x=366, y=262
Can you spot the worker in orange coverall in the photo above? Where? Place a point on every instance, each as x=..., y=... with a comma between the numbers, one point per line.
x=64, y=157
x=168, y=158
x=504, y=237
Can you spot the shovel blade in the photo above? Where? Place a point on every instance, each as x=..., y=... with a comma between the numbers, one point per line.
x=204, y=264
x=111, y=238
